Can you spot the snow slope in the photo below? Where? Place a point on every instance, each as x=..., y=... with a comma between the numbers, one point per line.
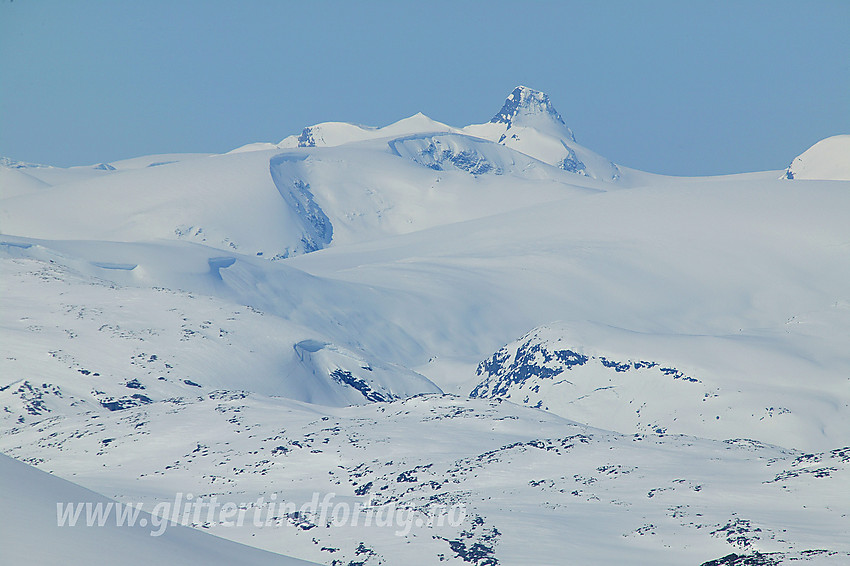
x=61, y=293
x=15, y=182
x=29, y=533
x=202, y=200
x=827, y=159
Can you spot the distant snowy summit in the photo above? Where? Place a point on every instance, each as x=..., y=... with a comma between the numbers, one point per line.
x=524, y=105
x=527, y=124
x=829, y=159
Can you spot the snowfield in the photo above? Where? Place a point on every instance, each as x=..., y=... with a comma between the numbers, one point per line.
x=576, y=358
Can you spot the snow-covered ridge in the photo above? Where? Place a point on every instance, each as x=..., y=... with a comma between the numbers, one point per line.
x=527, y=123
x=545, y=369
x=332, y=134
x=829, y=159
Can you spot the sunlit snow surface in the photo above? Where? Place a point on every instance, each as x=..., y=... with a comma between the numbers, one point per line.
x=829, y=159
x=30, y=534
x=594, y=362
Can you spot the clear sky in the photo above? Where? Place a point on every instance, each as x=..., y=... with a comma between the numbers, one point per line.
x=678, y=87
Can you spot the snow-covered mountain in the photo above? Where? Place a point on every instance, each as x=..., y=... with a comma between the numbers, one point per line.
x=276, y=204
x=491, y=319
x=530, y=124
x=829, y=159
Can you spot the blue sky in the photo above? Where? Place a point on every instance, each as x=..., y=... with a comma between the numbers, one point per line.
x=671, y=87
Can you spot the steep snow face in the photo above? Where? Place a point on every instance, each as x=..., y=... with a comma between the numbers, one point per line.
x=531, y=108
x=530, y=124
x=317, y=230
x=829, y=159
